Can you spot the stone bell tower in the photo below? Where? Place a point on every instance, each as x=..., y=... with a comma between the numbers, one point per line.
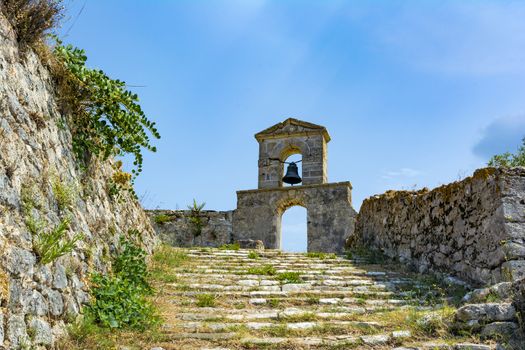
x=329, y=210
x=291, y=137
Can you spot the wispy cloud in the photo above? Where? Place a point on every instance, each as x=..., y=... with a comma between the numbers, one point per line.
x=472, y=38
x=502, y=135
x=401, y=173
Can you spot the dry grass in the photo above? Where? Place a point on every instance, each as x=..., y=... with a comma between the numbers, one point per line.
x=31, y=19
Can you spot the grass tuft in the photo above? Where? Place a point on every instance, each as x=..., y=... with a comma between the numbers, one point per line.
x=289, y=277
x=232, y=246
x=206, y=300
x=320, y=255
x=265, y=270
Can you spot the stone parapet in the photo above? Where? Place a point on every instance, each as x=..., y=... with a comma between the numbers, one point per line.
x=176, y=227
x=474, y=228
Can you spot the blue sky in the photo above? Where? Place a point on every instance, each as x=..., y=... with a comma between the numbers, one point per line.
x=413, y=93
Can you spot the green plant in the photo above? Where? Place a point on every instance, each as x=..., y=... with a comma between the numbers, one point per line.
x=206, y=300
x=265, y=270
x=161, y=219
x=119, y=298
x=508, y=159
x=31, y=19
x=312, y=300
x=195, y=217
x=35, y=226
x=289, y=277
x=232, y=246
x=51, y=245
x=64, y=193
x=107, y=120
x=253, y=255
x=274, y=303
x=120, y=181
x=320, y=255
x=130, y=265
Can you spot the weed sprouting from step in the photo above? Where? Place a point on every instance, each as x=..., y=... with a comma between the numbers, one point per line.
x=265, y=270
x=312, y=300
x=163, y=264
x=253, y=255
x=320, y=255
x=274, y=303
x=303, y=317
x=206, y=300
x=289, y=277
x=232, y=246
x=239, y=306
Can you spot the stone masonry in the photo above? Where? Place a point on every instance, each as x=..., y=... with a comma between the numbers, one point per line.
x=174, y=227
x=36, y=158
x=329, y=209
x=474, y=229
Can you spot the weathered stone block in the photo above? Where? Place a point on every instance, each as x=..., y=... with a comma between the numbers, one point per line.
x=41, y=331
x=17, y=331
x=498, y=330
x=487, y=312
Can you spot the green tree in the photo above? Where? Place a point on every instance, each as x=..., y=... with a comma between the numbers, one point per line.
x=507, y=159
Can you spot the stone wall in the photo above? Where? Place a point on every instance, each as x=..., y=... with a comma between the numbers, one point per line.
x=175, y=227
x=474, y=229
x=35, y=163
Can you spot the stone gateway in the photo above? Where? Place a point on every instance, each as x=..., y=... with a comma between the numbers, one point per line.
x=330, y=214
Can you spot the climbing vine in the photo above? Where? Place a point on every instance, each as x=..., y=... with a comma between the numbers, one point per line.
x=106, y=119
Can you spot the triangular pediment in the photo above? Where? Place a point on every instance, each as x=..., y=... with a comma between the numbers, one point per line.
x=291, y=127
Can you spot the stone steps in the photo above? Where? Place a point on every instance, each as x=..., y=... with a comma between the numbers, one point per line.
x=339, y=303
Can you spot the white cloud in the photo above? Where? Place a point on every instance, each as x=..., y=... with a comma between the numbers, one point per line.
x=401, y=173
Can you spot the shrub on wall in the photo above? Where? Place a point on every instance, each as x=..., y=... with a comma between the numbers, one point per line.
x=508, y=159
x=31, y=19
x=105, y=118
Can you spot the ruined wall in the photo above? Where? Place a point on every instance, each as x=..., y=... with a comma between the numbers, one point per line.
x=175, y=227
x=35, y=156
x=474, y=228
x=330, y=216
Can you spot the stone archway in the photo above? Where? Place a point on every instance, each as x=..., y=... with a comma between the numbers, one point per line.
x=330, y=216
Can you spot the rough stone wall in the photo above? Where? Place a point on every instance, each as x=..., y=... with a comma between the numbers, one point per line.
x=35, y=152
x=174, y=227
x=330, y=215
x=474, y=228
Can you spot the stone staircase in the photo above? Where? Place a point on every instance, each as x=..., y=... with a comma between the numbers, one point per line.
x=241, y=299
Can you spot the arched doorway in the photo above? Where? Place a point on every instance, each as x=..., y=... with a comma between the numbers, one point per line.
x=294, y=237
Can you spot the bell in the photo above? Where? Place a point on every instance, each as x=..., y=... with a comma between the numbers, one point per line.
x=292, y=176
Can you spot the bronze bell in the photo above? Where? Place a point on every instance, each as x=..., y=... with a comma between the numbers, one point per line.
x=292, y=176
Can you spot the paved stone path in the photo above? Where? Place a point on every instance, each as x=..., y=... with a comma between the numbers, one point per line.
x=226, y=299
